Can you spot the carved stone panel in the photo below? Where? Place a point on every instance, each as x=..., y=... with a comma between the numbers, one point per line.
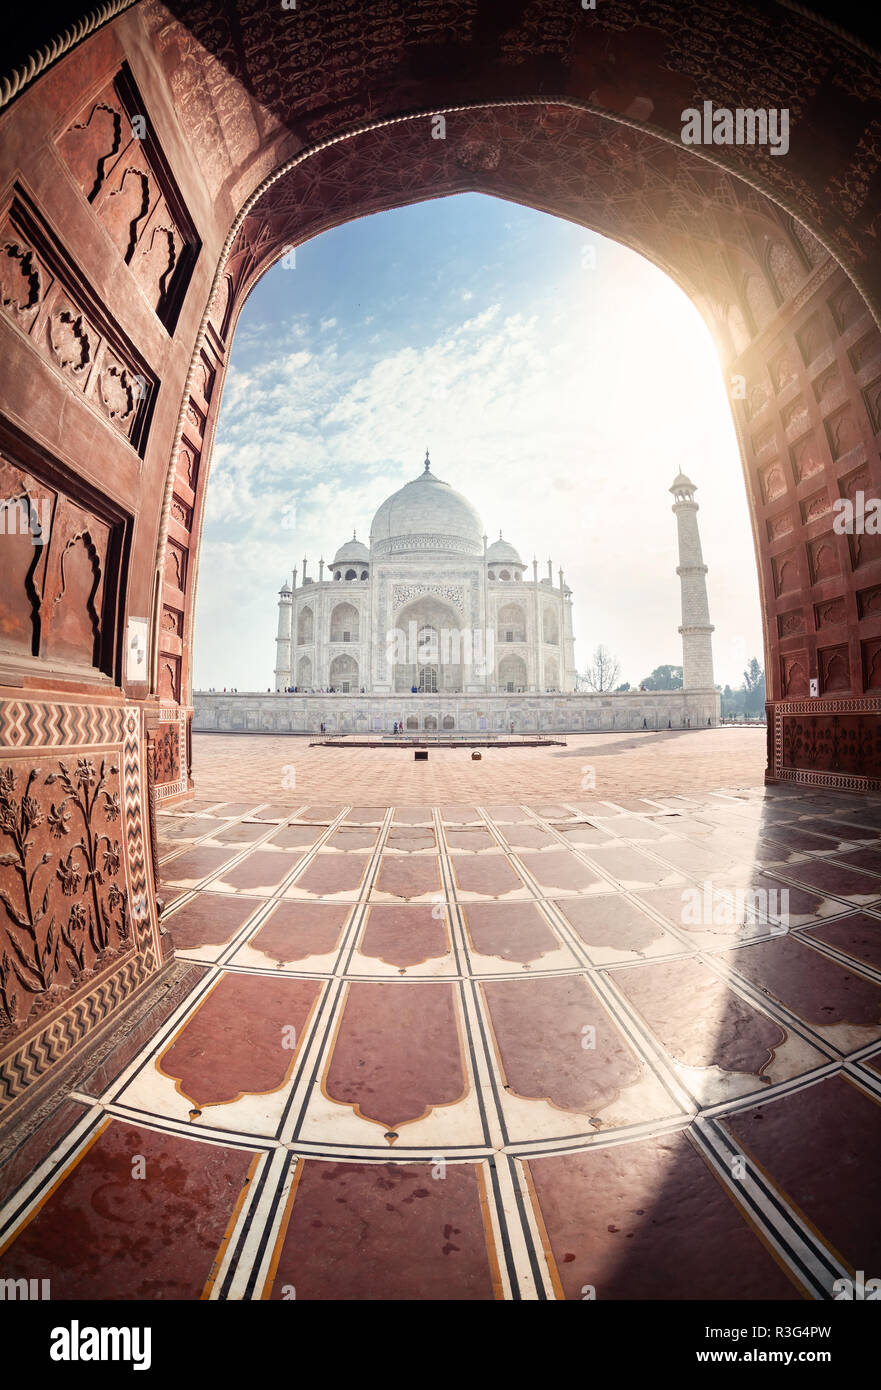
x=781, y=525
x=812, y=508
x=176, y=566
x=866, y=351
x=823, y=558
x=828, y=387
x=847, y=307
x=794, y=673
x=773, y=481
x=785, y=568
x=872, y=398
x=869, y=602
x=113, y=152
x=830, y=613
x=788, y=624
x=811, y=340
x=169, y=677
x=449, y=593
x=78, y=930
x=834, y=668
x=43, y=294
x=824, y=743
x=871, y=655
x=843, y=431
x=807, y=458
x=24, y=279
x=59, y=566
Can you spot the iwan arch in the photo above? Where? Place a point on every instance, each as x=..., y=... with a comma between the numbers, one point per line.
x=125, y=260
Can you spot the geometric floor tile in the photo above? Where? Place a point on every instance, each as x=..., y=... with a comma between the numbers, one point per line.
x=430, y=1040
x=140, y=1215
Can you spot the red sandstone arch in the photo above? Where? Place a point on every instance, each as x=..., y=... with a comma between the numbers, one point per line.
x=125, y=259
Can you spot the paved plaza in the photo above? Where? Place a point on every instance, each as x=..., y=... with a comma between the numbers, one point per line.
x=509, y=1040
x=286, y=769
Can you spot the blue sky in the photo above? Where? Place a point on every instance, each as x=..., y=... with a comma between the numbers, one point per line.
x=559, y=381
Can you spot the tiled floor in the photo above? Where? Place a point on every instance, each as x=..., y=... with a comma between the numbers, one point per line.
x=487, y=1049
x=630, y=765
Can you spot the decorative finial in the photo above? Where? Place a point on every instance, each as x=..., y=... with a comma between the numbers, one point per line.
x=500, y=535
x=427, y=461
x=354, y=534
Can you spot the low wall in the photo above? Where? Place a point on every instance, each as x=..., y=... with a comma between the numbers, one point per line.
x=268, y=713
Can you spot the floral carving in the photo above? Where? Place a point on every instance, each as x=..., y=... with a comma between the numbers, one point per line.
x=35, y=953
x=20, y=283
x=45, y=949
x=70, y=341
x=117, y=393
x=453, y=593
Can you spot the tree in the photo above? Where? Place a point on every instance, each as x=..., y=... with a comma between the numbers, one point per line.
x=664, y=678
x=603, y=671
x=620, y=689
x=754, y=686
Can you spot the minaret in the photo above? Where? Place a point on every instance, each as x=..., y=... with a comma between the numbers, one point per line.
x=283, y=640
x=696, y=629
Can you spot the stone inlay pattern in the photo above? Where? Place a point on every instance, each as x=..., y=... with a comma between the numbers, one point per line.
x=481, y=1051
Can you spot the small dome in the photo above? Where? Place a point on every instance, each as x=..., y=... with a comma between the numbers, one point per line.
x=285, y=588
x=502, y=552
x=682, y=484
x=352, y=552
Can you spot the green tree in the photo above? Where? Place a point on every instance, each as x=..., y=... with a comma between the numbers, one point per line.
x=754, y=687
x=664, y=678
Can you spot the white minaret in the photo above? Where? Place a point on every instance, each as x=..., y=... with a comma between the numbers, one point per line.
x=283, y=640
x=696, y=629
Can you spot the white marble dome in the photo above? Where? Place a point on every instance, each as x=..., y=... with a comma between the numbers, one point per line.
x=426, y=515
x=351, y=552
x=502, y=552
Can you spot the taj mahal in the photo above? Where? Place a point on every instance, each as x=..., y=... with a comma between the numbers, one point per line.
x=429, y=606
x=432, y=628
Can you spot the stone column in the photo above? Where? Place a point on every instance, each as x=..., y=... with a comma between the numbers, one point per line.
x=367, y=636
x=533, y=672
x=696, y=629
x=321, y=637
x=283, y=639
x=567, y=641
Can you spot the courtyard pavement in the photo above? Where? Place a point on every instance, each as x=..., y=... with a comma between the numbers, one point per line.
x=468, y=1030
x=620, y=764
